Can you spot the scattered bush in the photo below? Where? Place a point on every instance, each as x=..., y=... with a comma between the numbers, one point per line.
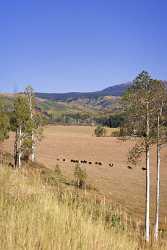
x=5, y=158
x=116, y=133
x=51, y=177
x=58, y=171
x=80, y=176
x=99, y=131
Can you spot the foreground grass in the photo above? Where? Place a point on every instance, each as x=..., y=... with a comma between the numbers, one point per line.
x=37, y=215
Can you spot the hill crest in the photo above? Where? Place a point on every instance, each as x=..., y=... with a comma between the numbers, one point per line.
x=115, y=90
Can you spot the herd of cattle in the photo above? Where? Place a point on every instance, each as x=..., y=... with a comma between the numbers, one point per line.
x=85, y=162
x=97, y=163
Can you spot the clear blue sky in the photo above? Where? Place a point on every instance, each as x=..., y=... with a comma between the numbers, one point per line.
x=73, y=45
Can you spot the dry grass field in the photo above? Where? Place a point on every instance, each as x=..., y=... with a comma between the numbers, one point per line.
x=118, y=183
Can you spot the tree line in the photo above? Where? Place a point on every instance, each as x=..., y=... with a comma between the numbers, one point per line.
x=25, y=123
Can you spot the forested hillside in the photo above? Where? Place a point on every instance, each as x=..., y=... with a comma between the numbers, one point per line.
x=103, y=107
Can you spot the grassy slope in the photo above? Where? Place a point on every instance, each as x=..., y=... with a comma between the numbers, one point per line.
x=38, y=212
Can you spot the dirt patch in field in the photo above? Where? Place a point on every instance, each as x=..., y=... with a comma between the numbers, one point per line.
x=117, y=182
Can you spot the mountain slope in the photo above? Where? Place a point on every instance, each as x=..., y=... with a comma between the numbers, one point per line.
x=116, y=90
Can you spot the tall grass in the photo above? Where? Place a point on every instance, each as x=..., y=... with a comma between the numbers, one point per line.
x=35, y=215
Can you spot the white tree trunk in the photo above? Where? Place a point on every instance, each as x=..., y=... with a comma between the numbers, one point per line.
x=33, y=148
x=20, y=147
x=147, y=222
x=32, y=136
x=16, y=149
x=147, y=213
x=156, y=229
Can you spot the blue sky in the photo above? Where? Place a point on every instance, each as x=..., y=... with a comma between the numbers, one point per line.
x=72, y=45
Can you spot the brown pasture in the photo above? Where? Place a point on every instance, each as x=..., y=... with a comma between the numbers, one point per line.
x=119, y=183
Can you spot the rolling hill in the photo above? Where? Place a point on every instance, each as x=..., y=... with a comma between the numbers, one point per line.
x=116, y=90
x=78, y=107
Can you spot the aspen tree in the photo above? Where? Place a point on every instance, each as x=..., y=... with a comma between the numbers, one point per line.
x=160, y=105
x=30, y=97
x=21, y=118
x=139, y=100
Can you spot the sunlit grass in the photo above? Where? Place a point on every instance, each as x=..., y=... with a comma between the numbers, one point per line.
x=36, y=215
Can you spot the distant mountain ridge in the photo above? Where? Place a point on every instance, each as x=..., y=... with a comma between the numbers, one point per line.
x=116, y=90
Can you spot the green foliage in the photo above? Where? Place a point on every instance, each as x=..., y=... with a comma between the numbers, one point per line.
x=117, y=120
x=80, y=176
x=143, y=100
x=4, y=123
x=99, y=131
x=138, y=100
x=114, y=220
x=26, y=124
x=4, y=127
x=21, y=112
x=111, y=120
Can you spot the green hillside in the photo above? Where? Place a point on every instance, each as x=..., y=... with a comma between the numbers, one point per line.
x=79, y=111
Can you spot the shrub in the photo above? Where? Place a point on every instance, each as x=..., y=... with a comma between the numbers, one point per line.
x=58, y=171
x=80, y=176
x=5, y=158
x=51, y=177
x=99, y=131
x=116, y=133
